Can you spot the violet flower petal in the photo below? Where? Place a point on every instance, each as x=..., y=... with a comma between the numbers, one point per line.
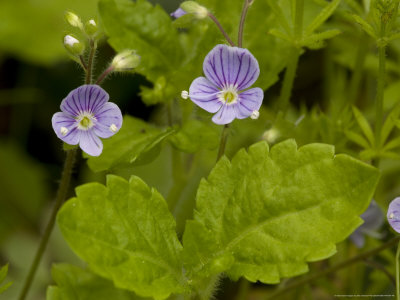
x=225, y=65
x=90, y=143
x=85, y=98
x=225, y=115
x=393, y=214
x=178, y=13
x=108, y=115
x=204, y=94
x=62, y=119
x=248, y=102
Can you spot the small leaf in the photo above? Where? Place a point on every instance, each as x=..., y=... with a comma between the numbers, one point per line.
x=390, y=123
x=317, y=40
x=365, y=26
x=279, y=34
x=357, y=138
x=364, y=125
x=134, y=140
x=73, y=282
x=392, y=144
x=3, y=275
x=125, y=232
x=322, y=17
x=195, y=135
x=265, y=214
x=280, y=17
x=390, y=155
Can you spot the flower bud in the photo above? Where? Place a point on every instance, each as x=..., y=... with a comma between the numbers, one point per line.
x=73, y=19
x=125, y=61
x=192, y=7
x=91, y=28
x=73, y=45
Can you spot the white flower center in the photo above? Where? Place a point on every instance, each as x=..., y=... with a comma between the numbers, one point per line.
x=228, y=95
x=85, y=120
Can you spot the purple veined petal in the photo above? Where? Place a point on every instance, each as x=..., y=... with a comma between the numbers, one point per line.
x=90, y=143
x=225, y=115
x=393, y=214
x=225, y=65
x=178, y=13
x=84, y=98
x=109, y=120
x=62, y=120
x=204, y=94
x=248, y=102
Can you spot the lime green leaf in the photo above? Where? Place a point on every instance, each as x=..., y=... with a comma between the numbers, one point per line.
x=390, y=123
x=196, y=135
x=357, y=138
x=3, y=275
x=135, y=139
x=280, y=17
x=322, y=17
x=125, y=233
x=265, y=214
x=280, y=34
x=316, y=41
x=79, y=284
x=364, y=125
x=390, y=155
x=365, y=26
x=392, y=144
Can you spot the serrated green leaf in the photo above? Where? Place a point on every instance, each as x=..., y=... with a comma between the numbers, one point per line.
x=389, y=124
x=125, y=232
x=265, y=214
x=79, y=284
x=316, y=41
x=365, y=26
x=195, y=135
x=135, y=139
x=322, y=17
x=357, y=138
x=364, y=125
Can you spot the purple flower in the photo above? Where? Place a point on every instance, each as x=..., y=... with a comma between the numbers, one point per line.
x=373, y=220
x=393, y=214
x=229, y=72
x=85, y=116
x=178, y=13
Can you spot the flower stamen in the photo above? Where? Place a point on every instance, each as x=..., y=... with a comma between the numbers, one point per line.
x=85, y=121
x=63, y=131
x=113, y=128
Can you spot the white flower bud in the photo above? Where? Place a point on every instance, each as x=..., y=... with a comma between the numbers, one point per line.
x=91, y=28
x=125, y=61
x=196, y=9
x=255, y=114
x=184, y=94
x=63, y=131
x=73, y=19
x=73, y=45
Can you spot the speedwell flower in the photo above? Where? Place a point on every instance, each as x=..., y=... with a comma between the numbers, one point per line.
x=229, y=72
x=85, y=116
x=393, y=214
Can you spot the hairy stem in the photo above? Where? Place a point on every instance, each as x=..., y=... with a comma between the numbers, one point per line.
x=83, y=63
x=61, y=195
x=104, y=75
x=215, y=20
x=245, y=9
x=222, y=144
x=334, y=268
x=93, y=46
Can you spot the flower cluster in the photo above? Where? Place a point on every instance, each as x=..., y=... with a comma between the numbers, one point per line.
x=229, y=73
x=85, y=116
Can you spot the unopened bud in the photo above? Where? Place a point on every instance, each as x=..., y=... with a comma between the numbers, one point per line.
x=125, y=61
x=73, y=19
x=91, y=28
x=192, y=7
x=73, y=45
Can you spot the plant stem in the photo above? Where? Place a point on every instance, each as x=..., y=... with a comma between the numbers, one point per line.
x=93, y=47
x=397, y=272
x=244, y=287
x=358, y=68
x=104, y=75
x=61, y=195
x=215, y=20
x=298, y=19
x=334, y=268
x=380, y=267
x=288, y=80
x=222, y=144
x=83, y=63
x=245, y=9
x=379, y=95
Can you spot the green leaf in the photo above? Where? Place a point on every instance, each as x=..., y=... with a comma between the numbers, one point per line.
x=125, y=233
x=280, y=17
x=322, y=17
x=280, y=34
x=196, y=135
x=364, y=125
x=79, y=284
x=365, y=26
x=392, y=144
x=135, y=139
x=265, y=214
x=390, y=123
x=357, y=138
x=317, y=40
x=3, y=275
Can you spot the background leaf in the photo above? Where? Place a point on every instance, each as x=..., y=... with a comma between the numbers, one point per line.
x=266, y=214
x=125, y=233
